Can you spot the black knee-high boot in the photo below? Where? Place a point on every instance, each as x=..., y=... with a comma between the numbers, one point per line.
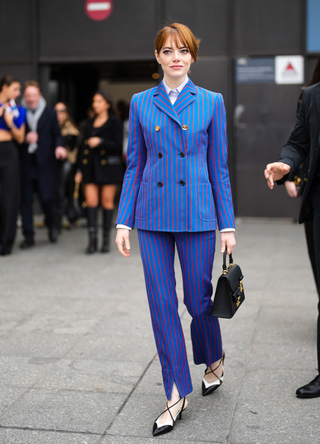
x=92, y=230
x=107, y=216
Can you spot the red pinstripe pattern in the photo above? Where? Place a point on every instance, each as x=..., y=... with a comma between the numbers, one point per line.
x=172, y=207
x=196, y=254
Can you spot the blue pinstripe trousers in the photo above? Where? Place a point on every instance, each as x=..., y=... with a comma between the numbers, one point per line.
x=196, y=253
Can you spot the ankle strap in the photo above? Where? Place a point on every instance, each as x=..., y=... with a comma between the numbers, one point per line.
x=168, y=408
x=213, y=371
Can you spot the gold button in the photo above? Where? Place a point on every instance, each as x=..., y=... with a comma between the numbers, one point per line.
x=86, y=142
x=86, y=152
x=157, y=128
x=103, y=161
x=102, y=152
x=85, y=161
x=184, y=127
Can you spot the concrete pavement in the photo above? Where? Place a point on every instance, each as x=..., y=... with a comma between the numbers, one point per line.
x=78, y=362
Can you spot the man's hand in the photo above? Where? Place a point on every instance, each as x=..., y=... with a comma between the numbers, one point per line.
x=122, y=241
x=32, y=137
x=61, y=153
x=227, y=240
x=275, y=171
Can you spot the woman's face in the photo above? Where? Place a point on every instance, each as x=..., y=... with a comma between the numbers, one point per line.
x=175, y=61
x=99, y=104
x=62, y=113
x=13, y=91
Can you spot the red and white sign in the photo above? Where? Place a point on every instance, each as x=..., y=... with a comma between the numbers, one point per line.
x=98, y=9
x=289, y=70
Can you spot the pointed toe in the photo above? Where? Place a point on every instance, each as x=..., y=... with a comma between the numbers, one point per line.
x=157, y=431
x=207, y=390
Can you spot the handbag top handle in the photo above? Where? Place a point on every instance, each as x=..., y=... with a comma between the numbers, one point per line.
x=224, y=265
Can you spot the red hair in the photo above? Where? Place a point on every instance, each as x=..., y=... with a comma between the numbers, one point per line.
x=180, y=34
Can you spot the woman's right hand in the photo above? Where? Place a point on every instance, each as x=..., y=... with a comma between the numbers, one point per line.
x=78, y=177
x=122, y=241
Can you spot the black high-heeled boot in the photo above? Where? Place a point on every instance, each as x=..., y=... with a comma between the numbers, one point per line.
x=92, y=230
x=107, y=216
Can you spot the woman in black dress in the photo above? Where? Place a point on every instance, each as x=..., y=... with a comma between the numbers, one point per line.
x=99, y=166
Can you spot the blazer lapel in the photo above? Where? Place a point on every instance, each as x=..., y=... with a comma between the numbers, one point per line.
x=186, y=97
x=162, y=101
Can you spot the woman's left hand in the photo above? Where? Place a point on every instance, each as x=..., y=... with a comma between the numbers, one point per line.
x=8, y=118
x=93, y=142
x=227, y=240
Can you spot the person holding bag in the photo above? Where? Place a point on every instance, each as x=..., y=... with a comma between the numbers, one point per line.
x=176, y=192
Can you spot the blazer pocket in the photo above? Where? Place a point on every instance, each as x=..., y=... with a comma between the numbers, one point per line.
x=206, y=204
x=142, y=204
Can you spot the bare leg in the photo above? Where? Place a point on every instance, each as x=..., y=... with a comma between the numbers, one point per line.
x=91, y=192
x=108, y=193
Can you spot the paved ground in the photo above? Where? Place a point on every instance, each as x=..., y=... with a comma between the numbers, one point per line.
x=78, y=362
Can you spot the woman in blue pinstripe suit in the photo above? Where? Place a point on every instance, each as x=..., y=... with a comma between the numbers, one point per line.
x=176, y=192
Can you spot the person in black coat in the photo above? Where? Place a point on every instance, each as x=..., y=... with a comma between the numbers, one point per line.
x=301, y=176
x=99, y=166
x=43, y=146
x=303, y=141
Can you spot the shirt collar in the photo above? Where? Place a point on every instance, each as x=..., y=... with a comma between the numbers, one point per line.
x=179, y=88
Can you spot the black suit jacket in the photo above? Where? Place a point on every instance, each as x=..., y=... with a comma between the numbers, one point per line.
x=304, y=140
x=49, y=138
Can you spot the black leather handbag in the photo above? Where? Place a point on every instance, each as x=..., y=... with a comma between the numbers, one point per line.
x=229, y=292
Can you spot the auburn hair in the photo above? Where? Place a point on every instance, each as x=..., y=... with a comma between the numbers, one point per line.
x=32, y=83
x=180, y=34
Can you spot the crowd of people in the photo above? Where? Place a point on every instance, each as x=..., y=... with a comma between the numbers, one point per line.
x=44, y=153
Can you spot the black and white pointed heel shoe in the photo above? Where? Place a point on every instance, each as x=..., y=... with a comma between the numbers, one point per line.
x=161, y=429
x=209, y=387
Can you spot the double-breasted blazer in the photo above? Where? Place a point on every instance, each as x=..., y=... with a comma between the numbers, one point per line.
x=305, y=141
x=102, y=164
x=177, y=177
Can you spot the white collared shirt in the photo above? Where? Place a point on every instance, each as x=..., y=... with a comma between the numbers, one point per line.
x=173, y=93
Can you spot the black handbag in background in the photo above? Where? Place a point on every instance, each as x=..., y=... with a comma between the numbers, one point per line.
x=229, y=292
x=74, y=210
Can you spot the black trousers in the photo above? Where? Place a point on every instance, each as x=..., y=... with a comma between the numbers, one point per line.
x=314, y=251
x=30, y=186
x=65, y=186
x=9, y=195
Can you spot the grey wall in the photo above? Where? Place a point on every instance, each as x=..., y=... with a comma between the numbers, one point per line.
x=67, y=34
x=264, y=27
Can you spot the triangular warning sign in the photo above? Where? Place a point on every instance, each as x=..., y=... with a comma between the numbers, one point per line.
x=289, y=67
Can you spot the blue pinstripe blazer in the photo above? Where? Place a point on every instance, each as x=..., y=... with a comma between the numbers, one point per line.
x=177, y=178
